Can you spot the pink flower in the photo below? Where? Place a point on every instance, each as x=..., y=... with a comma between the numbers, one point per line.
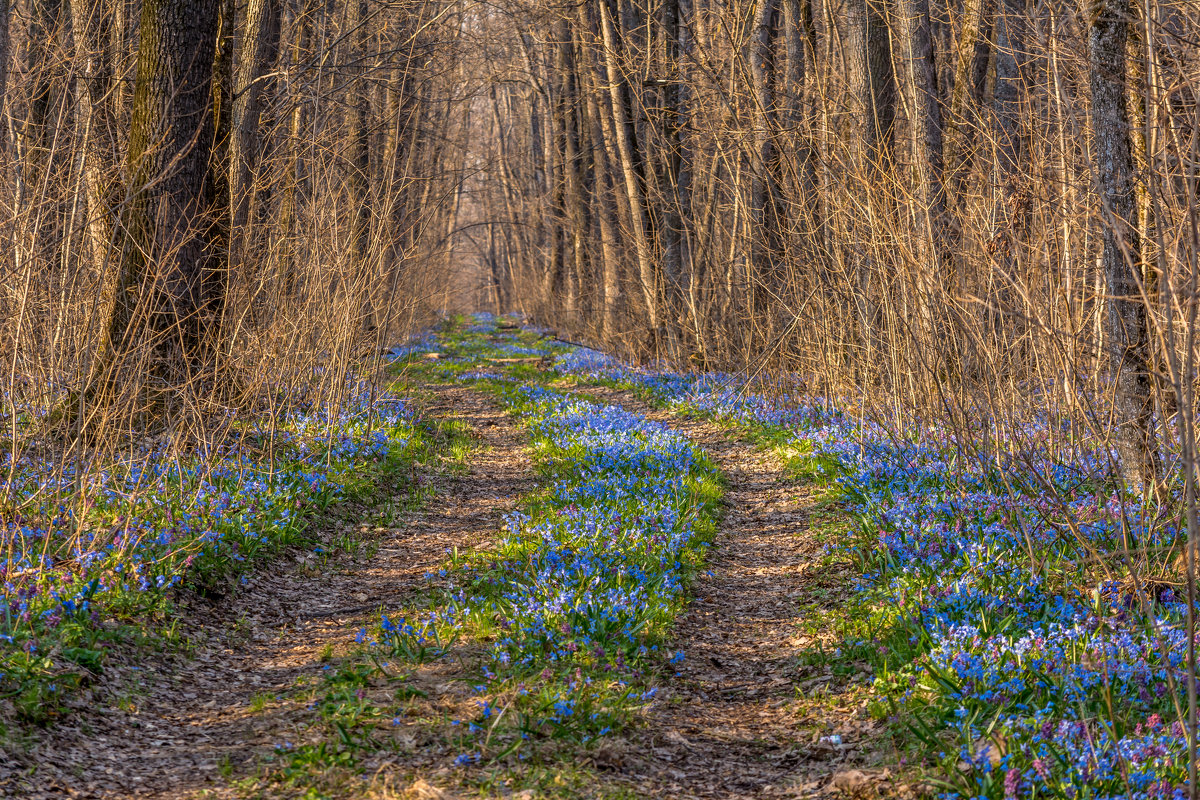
x=1012, y=781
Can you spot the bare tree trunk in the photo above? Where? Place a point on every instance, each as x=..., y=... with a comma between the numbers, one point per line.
x=1013, y=149
x=358, y=154
x=5, y=55
x=94, y=98
x=873, y=88
x=1126, y=330
x=677, y=211
x=572, y=265
x=926, y=132
x=220, y=279
x=801, y=40
x=766, y=214
x=162, y=302
x=621, y=125
x=257, y=49
x=970, y=73
x=606, y=180
x=295, y=185
x=38, y=161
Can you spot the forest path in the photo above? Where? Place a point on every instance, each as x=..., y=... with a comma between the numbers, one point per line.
x=730, y=724
x=738, y=720
x=184, y=726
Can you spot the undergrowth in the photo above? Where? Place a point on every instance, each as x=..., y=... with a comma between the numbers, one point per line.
x=1012, y=604
x=98, y=556
x=578, y=595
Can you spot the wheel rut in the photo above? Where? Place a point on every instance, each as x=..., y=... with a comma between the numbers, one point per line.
x=730, y=723
x=176, y=726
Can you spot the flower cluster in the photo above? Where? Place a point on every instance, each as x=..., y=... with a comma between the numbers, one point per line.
x=608, y=550
x=93, y=541
x=579, y=591
x=972, y=566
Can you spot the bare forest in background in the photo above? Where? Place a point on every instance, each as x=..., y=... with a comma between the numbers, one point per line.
x=971, y=210
x=975, y=210
x=210, y=206
x=960, y=238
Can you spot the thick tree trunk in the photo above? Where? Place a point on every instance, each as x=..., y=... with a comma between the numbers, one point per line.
x=1013, y=140
x=5, y=55
x=40, y=164
x=358, y=161
x=607, y=181
x=766, y=206
x=874, y=93
x=572, y=265
x=678, y=172
x=801, y=40
x=219, y=279
x=295, y=188
x=95, y=115
x=162, y=308
x=1126, y=329
x=970, y=75
x=926, y=132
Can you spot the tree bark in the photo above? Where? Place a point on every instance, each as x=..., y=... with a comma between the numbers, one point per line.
x=257, y=49
x=607, y=181
x=621, y=125
x=801, y=40
x=766, y=213
x=1013, y=140
x=678, y=172
x=1126, y=328
x=572, y=265
x=96, y=118
x=295, y=187
x=970, y=74
x=874, y=93
x=5, y=55
x=926, y=130
x=161, y=301
x=358, y=159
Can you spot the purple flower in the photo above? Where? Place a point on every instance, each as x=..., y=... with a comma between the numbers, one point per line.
x=1012, y=782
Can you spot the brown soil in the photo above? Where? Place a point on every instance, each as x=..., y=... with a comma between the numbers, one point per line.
x=742, y=718
x=736, y=720
x=184, y=718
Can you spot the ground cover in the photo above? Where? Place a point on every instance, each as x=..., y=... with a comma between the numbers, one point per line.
x=993, y=626
x=96, y=553
x=1013, y=649
x=579, y=592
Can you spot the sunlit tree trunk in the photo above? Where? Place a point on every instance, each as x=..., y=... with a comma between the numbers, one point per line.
x=256, y=51
x=622, y=131
x=571, y=265
x=94, y=114
x=606, y=181
x=766, y=212
x=926, y=131
x=869, y=54
x=1126, y=330
x=358, y=157
x=677, y=261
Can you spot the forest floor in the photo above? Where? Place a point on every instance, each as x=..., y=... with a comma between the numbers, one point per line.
x=272, y=697
x=745, y=715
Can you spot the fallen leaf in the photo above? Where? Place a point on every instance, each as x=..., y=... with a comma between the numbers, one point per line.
x=850, y=781
x=423, y=790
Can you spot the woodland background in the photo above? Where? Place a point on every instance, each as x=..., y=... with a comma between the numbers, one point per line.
x=966, y=209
